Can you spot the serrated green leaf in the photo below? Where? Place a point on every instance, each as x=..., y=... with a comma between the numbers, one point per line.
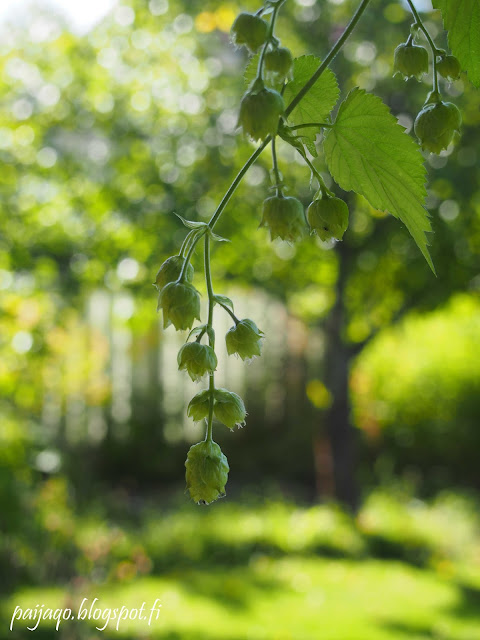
x=309, y=145
x=368, y=152
x=318, y=102
x=461, y=19
x=251, y=70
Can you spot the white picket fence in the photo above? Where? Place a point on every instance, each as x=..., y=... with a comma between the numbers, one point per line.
x=143, y=378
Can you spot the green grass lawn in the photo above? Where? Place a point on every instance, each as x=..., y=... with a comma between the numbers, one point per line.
x=288, y=598
x=267, y=570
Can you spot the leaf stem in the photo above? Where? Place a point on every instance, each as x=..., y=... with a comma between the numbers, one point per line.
x=424, y=30
x=186, y=242
x=276, y=9
x=330, y=56
x=230, y=312
x=276, y=172
x=307, y=125
x=188, y=257
x=323, y=187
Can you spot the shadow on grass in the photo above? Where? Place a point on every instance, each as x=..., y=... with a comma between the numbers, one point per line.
x=417, y=631
x=233, y=591
x=228, y=556
x=466, y=608
x=414, y=553
x=469, y=603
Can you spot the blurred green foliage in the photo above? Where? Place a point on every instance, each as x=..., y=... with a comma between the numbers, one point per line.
x=416, y=391
x=102, y=138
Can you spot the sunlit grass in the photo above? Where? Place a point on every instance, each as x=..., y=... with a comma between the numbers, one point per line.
x=275, y=571
x=285, y=599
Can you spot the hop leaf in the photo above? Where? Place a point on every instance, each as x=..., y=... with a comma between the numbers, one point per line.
x=358, y=151
x=199, y=406
x=260, y=112
x=410, y=60
x=436, y=124
x=196, y=359
x=206, y=472
x=180, y=302
x=229, y=408
x=328, y=218
x=170, y=271
x=284, y=217
x=461, y=18
x=249, y=30
x=245, y=339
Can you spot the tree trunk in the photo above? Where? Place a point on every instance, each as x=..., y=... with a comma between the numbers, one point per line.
x=341, y=433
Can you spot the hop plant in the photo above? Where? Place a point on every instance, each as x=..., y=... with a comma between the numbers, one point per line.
x=436, y=124
x=206, y=472
x=196, y=359
x=449, y=68
x=180, y=303
x=410, y=60
x=328, y=218
x=284, y=217
x=171, y=270
x=364, y=149
x=229, y=408
x=244, y=339
x=249, y=30
x=278, y=61
x=260, y=112
x=199, y=406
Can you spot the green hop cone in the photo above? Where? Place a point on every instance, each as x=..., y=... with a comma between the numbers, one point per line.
x=229, y=408
x=199, y=406
x=249, y=30
x=278, y=61
x=206, y=472
x=180, y=303
x=449, y=68
x=171, y=270
x=244, y=339
x=328, y=218
x=410, y=60
x=260, y=112
x=436, y=124
x=284, y=217
x=196, y=359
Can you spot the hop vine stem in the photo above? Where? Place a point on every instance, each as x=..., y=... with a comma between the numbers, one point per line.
x=430, y=41
x=269, y=38
x=192, y=244
x=211, y=304
x=330, y=56
x=239, y=177
x=256, y=154
x=300, y=95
